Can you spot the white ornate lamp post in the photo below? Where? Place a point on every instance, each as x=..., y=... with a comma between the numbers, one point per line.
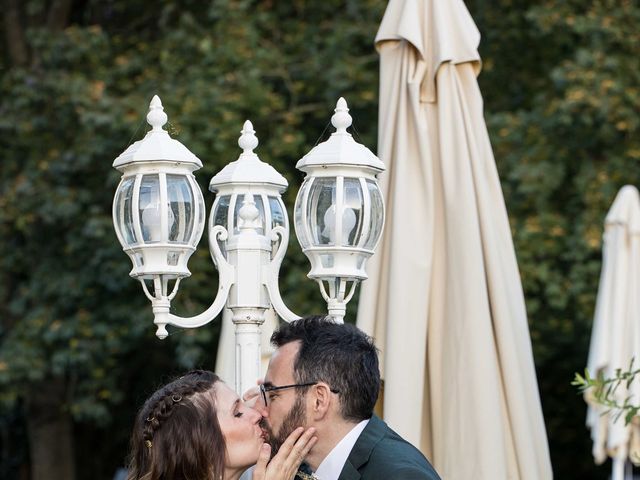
x=158, y=213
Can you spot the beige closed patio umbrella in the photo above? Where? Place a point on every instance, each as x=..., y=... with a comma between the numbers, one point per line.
x=615, y=338
x=444, y=299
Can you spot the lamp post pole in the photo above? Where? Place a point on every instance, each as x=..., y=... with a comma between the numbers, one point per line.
x=158, y=214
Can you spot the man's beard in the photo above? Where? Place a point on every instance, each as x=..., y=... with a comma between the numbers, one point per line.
x=294, y=419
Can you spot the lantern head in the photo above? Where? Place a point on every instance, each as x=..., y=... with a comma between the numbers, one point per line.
x=339, y=211
x=248, y=175
x=158, y=209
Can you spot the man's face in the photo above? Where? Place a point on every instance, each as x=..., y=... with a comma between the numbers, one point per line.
x=286, y=409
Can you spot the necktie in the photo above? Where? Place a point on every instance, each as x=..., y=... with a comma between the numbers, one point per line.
x=305, y=473
x=306, y=476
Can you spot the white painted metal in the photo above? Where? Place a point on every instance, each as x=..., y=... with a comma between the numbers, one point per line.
x=157, y=144
x=341, y=149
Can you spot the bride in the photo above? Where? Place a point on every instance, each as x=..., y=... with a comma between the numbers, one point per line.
x=196, y=428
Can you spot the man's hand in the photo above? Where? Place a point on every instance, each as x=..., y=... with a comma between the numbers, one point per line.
x=288, y=459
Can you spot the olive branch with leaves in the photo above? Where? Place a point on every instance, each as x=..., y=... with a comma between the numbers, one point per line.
x=602, y=391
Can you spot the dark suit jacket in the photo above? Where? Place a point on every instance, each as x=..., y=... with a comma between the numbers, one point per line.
x=382, y=454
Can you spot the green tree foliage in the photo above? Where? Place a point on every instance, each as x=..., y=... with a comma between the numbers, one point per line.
x=76, y=330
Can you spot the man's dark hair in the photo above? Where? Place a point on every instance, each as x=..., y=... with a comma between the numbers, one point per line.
x=338, y=354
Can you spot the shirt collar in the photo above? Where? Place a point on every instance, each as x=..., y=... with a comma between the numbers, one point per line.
x=333, y=463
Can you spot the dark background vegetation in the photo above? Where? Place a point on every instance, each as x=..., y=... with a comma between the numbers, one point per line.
x=77, y=348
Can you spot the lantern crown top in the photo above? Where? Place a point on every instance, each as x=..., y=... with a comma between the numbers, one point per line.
x=341, y=118
x=248, y=169
x=157, y=145
x=156, y=116
x=340, y=149
x=248, y=140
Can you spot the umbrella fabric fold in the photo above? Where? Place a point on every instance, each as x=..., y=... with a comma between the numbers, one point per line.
x=615, y=338
x=444, y=299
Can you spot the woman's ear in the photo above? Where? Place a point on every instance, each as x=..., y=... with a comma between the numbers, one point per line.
x=322, y=400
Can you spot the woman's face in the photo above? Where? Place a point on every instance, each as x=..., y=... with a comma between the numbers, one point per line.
x=240, y=427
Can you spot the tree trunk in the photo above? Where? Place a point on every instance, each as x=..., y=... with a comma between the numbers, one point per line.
x=14, y=33
x=50, y=430
x=58, y=16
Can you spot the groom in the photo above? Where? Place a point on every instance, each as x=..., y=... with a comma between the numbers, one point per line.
x=325, y=375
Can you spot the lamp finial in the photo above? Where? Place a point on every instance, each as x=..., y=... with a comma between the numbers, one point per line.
x=156, y=116
x=248, y=140
x=341, y=119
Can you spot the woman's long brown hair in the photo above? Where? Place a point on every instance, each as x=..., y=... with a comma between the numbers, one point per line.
x=176, y=435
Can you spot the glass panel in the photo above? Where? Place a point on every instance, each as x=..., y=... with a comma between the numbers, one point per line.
x=201, y=216
x=221, y=212
x=377, y=215
x=301, y=229
x=123, y=211
x=236, y=212
x=220, y=217
x=352, y=216
x=321, y=211
x=180, y=199
x=278, y=219
x=277, y=212
x=149, y=209
x=259, y=205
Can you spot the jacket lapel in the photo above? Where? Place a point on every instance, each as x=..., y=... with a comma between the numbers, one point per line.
x=370, y=436
x=349, y=472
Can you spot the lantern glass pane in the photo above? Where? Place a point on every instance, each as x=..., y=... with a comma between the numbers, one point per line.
x=301, y=228
x=201, y=214
x=352, y=218
x=221, y=212
x=123, y=211
x=181, y=205
x=278, y=216
x=377, y=215
x=151, y=210
x=321, y=211
x=278, y=219
x=220, y=217
x=259, y=205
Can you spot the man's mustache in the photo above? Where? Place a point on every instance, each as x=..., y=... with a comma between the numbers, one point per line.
x=266, y=429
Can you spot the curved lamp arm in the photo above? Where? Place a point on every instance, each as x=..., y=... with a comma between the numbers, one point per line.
x=226, y=271
x=270, y=280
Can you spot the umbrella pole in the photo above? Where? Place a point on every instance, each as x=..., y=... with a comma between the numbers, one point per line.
x=618, y=470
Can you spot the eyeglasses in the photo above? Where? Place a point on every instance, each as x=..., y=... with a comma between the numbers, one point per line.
x=271, y=388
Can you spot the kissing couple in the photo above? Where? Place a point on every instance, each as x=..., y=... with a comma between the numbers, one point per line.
x=311, y=418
